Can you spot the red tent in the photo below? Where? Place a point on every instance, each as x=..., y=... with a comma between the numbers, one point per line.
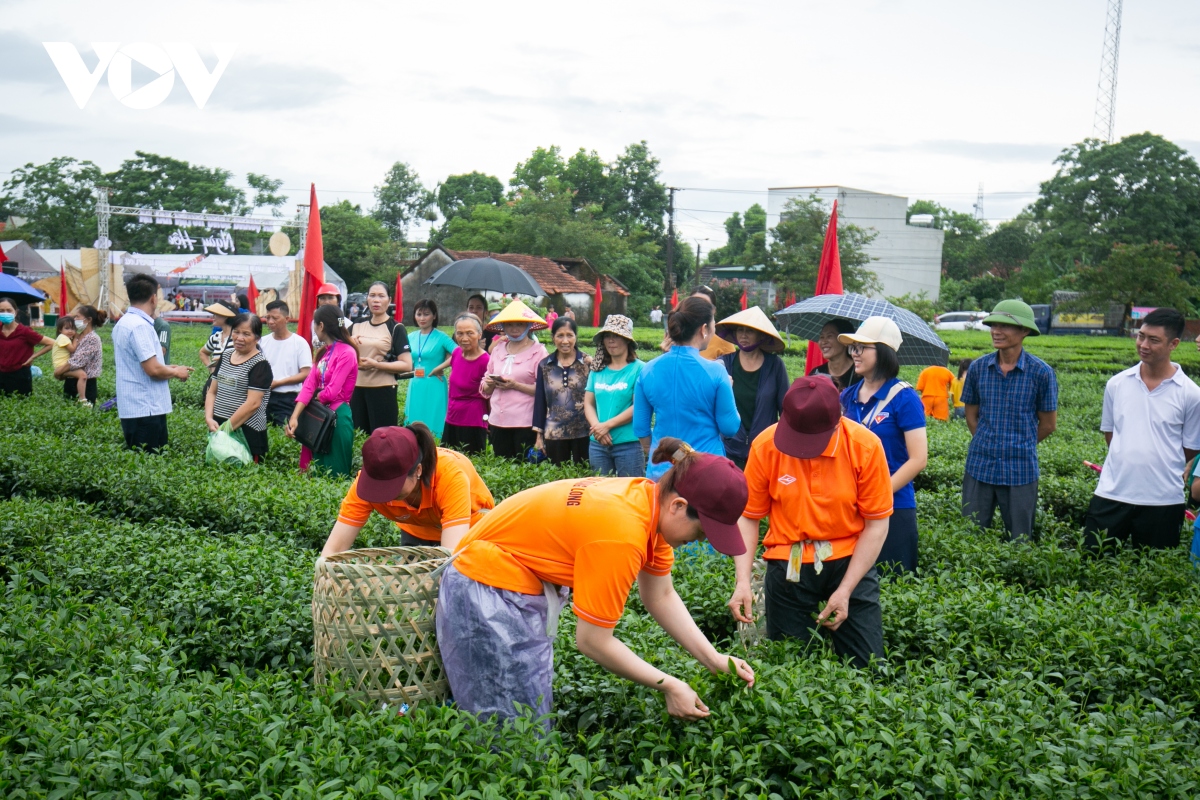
x=829, y=281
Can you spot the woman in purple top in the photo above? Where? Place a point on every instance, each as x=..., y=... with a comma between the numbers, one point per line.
x=466, y=411
x=332, y=380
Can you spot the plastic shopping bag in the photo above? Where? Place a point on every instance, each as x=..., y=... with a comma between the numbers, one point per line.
x=227, y=447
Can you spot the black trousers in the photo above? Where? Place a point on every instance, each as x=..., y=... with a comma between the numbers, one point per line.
x=511, y=442
x=1156, y=527
x=280, y=406
x=145, y=433
x=899, y=551
x=560, y=451
x=71, y=389
x=468, y=439
x=374, y=407
x=792, y=608
x=18, y=382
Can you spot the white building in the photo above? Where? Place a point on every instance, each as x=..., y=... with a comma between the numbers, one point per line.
x=907, y=258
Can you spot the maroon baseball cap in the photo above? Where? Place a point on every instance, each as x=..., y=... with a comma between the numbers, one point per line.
x=388, y=457
x=716, y=488
x=811, y=411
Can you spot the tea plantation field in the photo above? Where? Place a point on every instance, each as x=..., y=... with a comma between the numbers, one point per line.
x=155, y=640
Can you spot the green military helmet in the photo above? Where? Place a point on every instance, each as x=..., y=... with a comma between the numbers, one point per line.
x=1013, y=312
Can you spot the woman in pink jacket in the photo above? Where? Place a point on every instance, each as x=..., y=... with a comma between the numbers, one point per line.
x=332, y=380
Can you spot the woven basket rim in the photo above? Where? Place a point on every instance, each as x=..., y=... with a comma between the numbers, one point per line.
x=368, y=554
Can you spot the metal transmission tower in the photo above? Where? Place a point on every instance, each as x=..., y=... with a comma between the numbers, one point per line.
x=1106, y=88
x=979, y=202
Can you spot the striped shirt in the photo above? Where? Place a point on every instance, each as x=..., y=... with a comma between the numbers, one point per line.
x=215, y=347
x=1003, y=451
x=134, y=341
x=235, y=381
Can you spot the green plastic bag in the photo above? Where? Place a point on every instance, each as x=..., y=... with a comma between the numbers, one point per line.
x=227, y=447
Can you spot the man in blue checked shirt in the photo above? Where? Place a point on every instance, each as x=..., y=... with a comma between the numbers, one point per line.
x=1011, y=400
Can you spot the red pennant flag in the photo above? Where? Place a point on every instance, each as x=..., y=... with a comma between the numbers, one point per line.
x=398, y=314
x=744, y=300
x=829, y=281
x=314, y=265
x=252, y=296
x=62, y=289
x=675, y=299
x=791, y=301
x=3, y=257
x=596, y=305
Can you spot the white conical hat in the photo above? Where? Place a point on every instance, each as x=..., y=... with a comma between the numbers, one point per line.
x=752, y=317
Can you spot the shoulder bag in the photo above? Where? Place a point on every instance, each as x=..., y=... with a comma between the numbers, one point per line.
x=315, y=427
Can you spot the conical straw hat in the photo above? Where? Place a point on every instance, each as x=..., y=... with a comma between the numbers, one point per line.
x=516, y=311
x=752, y=317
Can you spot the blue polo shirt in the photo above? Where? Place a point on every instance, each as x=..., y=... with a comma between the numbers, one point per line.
x=1003, y=451
x=903, y=414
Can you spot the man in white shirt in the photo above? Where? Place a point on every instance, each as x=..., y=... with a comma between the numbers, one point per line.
x=290, y=358
x=656, y=316
x=1151, y=421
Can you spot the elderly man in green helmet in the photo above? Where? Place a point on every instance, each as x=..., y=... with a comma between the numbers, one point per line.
x=1011, y=400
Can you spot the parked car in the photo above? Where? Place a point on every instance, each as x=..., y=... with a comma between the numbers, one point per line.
x=959, y=321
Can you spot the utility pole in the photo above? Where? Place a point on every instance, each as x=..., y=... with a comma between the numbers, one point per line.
x=1106, y=87
x=979, y=202
x=696, y=277
x=670, y=285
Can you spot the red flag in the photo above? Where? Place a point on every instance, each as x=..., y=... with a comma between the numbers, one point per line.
x=398, y=314
x=62, y=289
x=314, y=265
x=252, y=296
x=743, y=301
x=3, y=257
x=675, y=299
x=791, y=301
x=596, y=305
x=829, y=281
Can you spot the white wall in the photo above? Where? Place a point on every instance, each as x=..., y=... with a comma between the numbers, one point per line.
x=907, y=258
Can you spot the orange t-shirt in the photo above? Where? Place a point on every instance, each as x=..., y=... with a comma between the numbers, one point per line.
x=592, y=534
x=829, y=497
x=456, y=495
x=934, y=382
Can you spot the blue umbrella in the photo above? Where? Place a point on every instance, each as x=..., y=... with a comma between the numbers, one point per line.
x=21, y=292
x=921, y=346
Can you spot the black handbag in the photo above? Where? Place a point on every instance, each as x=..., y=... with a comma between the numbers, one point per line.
x=315, y=427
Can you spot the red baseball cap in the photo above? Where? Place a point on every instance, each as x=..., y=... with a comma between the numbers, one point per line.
x=716, y=488
x=811, y=411
x=388, y=457
x=328, y=288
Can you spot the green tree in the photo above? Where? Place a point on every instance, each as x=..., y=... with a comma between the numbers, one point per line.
x=351, y=240
x=154, y=181
x=400, y=199
x=636, y=197
x=1139, y=190
x=735, y=241
x=1138, y=274
x=963, y=253
x=459, y=194
x=919, y=304
x=587, y=176
x=58, y=199
x=754, y=251
x=532, y=173
x=796, y=244
x=266, y=192
x=487, y=227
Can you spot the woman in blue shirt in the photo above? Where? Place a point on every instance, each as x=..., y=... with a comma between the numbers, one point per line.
x=608, y=402
x=683, y=394
x=893, y=411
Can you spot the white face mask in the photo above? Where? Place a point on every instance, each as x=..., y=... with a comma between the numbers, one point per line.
x=80, y=324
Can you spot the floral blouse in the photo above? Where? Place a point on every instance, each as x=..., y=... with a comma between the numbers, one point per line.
x=88, y=355
x=558, y=398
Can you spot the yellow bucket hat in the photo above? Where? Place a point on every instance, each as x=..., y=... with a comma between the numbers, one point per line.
x=752, y=317
x=516, y=311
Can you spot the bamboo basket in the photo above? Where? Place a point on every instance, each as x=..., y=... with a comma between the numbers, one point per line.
x=373, y=624
x=751, y=634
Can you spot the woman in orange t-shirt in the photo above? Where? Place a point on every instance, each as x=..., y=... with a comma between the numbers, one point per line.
x=499, y=598
x=432, y=494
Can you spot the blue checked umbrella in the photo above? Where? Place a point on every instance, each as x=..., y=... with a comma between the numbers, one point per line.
x=921, y=347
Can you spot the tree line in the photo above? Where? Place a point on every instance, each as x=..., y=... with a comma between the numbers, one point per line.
x=1117, y=222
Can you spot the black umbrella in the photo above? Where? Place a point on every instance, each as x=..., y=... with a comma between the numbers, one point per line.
x=922, y=345
x=488, y=274
x=21, y=292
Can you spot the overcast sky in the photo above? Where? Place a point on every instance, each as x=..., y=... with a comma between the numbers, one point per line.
x=924, y=99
